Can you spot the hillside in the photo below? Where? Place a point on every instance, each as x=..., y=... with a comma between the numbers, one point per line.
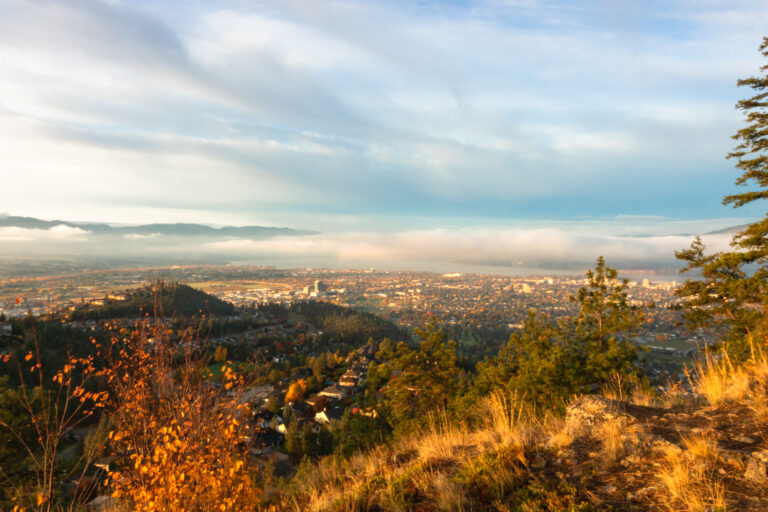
x=174, y=299
x=706, y=451
x=174, y=229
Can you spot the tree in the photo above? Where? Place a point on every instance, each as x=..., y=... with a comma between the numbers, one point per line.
x=425, y=378
x=534, y=365
x=359, y=432
x=296, y=391
x=605, y=325
x=732, y=292
x=547, y=362
x=35, y=419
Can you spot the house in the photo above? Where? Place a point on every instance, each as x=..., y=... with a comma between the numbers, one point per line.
x=351, y=373
x=301, y=410
x=348, y=382
x=334, y=391
x=329, y=415
x=262, y=418
x=265, y=440
x=313, y=401
x=257, y=394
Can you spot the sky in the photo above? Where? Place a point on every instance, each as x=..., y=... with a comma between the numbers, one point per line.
x=607, y=118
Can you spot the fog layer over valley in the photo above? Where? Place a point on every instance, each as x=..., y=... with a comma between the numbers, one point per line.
x=631, y=243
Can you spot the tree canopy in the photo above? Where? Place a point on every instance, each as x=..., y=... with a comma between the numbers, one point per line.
x=732, y=290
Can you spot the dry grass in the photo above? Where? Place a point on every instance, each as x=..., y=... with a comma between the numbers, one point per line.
x=719, y=380
x=674, y=395
x=555, y=432
x=444, y=492
x=691, y=486
x=701, y=447
x=630, y=389
x=689, y=476
x=377, y=477
x=444, y=466
x=617, y=436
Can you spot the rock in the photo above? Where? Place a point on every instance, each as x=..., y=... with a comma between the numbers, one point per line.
x=642, y=493
x=632, y=460
x=104, y=504
x=608, y=489
x=662, y=445
x=538, y=462
x=757, y=468
x=589, y=411
x=745, y=440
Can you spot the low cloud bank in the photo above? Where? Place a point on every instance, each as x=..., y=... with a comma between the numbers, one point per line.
x=55, y=233
x=503, y=250
x=439, y=249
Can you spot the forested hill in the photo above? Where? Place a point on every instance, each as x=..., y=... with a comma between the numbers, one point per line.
x=172, y=299
x=343, y=325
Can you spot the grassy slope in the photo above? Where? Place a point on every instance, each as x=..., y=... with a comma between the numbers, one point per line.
x=672, y=452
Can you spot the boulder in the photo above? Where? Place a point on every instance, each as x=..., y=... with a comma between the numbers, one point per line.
x=757, y=468
x=588, y=412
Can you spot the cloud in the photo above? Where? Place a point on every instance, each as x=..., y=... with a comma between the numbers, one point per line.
x=140, y=236
x=58, y=233
x=255, y=109
x=540, y=246
x=498, y=248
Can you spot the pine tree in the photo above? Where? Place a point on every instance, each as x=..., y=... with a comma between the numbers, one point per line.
x=425, y=379
x=733, y=291
x=547, y=362
x=605, y=325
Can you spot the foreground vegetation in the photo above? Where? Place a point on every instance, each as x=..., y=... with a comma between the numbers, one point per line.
x=620, y=450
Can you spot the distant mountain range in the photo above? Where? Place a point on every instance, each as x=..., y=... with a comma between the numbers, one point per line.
x=731, y=230
x=177, y=229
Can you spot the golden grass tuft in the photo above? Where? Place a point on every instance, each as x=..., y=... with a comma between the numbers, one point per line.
x=691, y=486
x=702, y=447
x=445, y=493
x=719, y=380
x=630, y=389
x=555, y=432
x=615, y=436
x=674, y=395
x=380, y=477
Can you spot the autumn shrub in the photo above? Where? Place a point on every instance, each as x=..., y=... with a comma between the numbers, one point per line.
x=179, y=439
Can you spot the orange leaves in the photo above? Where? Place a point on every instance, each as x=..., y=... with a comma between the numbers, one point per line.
x=41, y=498
x=180, y=437
x=296, y=391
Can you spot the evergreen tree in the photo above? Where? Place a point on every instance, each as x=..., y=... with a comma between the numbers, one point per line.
x=732, y=291
x=605, y=325
x=424, y=380
x=547, y=362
